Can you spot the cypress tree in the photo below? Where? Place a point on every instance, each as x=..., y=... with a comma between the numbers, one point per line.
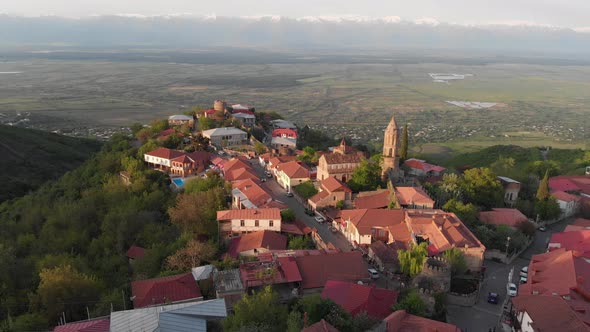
x=543, y=191
x=403, y=151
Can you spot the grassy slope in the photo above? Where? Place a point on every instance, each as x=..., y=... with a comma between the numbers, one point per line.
x=31, y=157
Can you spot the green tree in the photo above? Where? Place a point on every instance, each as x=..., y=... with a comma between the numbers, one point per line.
x=456, y=260
x=294, y=322
x=196, y=213
x=206, y=123
x=482, y=188
x=300, y=242
x=148, y=146
x=259, y=148
x=548, y=209
x=367, y=176
x=543, y=191
x=260, y=311
x=503, y=166
x=412, y=303
x=174, y=141
x=305, y=189
x=403, y=149
x=412, y=260
x=526, y=227
x=64, y=289
x=540, y=167
x=288, y=215
x=29, y=322
x=466, y=212
x=159, y=125
x=309, y=156
x=197, y=184
x=192, y=255
x=340, y=204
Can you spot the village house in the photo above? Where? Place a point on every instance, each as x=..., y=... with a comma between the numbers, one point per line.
x=171, y=289
x=285, y=133
x=101, y=324
x=228, y=286
x=178, y=162
x=246, y=118
x=321, y=326
x=576, y=241
x=263, y=159
x=255, y=243
x=355, y=298
x=242, y=107
x=511, y=190
x=291, y=174
x=331, y=192
x=420, y=168
x=274, y=161
x=269, y=269
x=578, y=225
x=363, y=226
x=165, y=134
x=402, y=321
x=283, y=142
x=572, y=184
x=340, y=164
x=237, y=169
x=135, y=252
x=413, y=198
x=568, y=203
x=247, y=194
x=547, y=313
x=383, y=256
x=181, y=120
x=236, y=222
x=377, y=199
x=226, y=136
x=502, y=216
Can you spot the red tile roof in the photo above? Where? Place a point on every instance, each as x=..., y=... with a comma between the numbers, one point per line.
x=423, y=165
x=135, y=252
x=578, y=241
x=254, y=274
x=337, y=158
x=401, y=321
x=94, y=325
x=385, y=253
x=293, y=170
x=284, y=131
x=562, y=183
x=377, y=199
x=581, y=222
x=331, y=184
x=565, y=197
x=234, y=164
x=270, y=214
x=549, y=313
x=240, y=174
x=296, y=228
x=317, y=269
x=253, y=192
x=263, y=239
x=367, y=219
x=502, y=216
x=412, y=195
x=319, y=196
x=321, y=326
x=354, y=298
x=163, y=290
x=165, y=153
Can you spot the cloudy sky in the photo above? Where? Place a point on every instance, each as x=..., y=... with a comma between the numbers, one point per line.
x=565, y=13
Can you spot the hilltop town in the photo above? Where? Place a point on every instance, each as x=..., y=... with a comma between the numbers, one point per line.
x=232, y=219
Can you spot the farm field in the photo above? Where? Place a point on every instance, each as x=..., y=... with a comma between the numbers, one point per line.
x=538, y=104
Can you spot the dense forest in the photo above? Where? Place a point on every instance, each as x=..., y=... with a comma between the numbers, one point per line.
x=31, y=157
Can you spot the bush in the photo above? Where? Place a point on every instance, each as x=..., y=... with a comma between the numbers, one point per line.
x=306, y=190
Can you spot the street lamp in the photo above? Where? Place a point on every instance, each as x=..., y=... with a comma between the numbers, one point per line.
x=507, y=244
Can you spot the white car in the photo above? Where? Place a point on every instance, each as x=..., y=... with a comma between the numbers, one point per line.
x=524, y=272
x=319, y=219
x=373, y=273
x=511, y=289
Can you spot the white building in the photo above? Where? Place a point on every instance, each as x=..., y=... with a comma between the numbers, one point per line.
x=227, y=136
x=568, y=203
x=247, y=120
x=235, y=222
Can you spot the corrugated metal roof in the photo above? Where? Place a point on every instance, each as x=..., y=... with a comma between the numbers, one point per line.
x=180, y=317
x=202, y=272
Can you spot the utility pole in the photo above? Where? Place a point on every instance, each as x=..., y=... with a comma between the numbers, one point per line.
x=124, y=305
x=88, y=312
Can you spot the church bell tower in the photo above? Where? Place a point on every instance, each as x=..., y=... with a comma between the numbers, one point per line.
x=390, y=141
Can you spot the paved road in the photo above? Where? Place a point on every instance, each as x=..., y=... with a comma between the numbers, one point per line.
x=484, y=315
x=279, y=194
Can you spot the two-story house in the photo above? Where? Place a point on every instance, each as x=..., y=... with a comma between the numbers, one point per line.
x=235, y=222
x=331, y=192
x=340, y=164
x=291, y=174
x=226, y=136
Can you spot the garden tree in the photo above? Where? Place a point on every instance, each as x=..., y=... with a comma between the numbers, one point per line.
x=451, y=184
x=503, y=166
x=309, y=156
x=403, y=149
x=135, y=128
x=288, y=215
x=206, y=123
x=412, y=303
x=481, y=187
x=296, y=242
x=305, y=189
x=318, y=308
x=64, y=289
x=200, y=142
x=367, y=176
x=456, y=260
x=340, y=204
x=29, y=322
x=148, y=146
x=526, y=227
x=159, y=125
x=548, y=209
x=294, y=322
x=316, y=139
x=259, y=148
x=192, y=255
x=543, y=191
x=412, y=260
x=198, y=184
x=260, y=311
x=227, y=263
x=132, y=165
x=196, y=213
x=466, y=212
x=541, y=167
x=174, y=141
x=144, y=134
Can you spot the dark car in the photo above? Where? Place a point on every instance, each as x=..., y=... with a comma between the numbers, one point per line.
x=309, y=212
x=493, y=298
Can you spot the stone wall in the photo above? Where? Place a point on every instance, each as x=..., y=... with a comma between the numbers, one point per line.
x=464, y=300
x=438, y=271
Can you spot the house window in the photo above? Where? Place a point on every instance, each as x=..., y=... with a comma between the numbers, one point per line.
x=256, y=223
x=271, y=223
x=242, y=223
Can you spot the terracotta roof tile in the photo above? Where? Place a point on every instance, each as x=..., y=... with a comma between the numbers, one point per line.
x=321, y=326
x=94, y=325
x=163, y=290
x=385, y=253
x=240, y=174
x=423, y=165
x=549, y=313
x=284, y=131
x=578, y=241
x=331, y=184
x=502, y=216
x=401, y=321
x=293, y=170
x=253, y=192
x=235, y=163
x=565, y=197
x=135, y=252
x=354, y=298
x=337, y=158
x=412, y=195
x=367, y=219
x=319, y=196
x=262, y=239
x=377, y=199
x=270, y=214
x=165, y=153
x=317, y=269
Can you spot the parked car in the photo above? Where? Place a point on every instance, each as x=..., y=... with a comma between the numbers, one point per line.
x=319, y=219
x=524, y=272
x=523, y=279
x=373, y=273
x=542, y=228
x=289, y=194
x=262, y=179
x=333, y=229
x=511, y=289
x=493, y=298
x=309, y=212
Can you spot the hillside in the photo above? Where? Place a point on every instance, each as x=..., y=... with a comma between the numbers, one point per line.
x=31, y=157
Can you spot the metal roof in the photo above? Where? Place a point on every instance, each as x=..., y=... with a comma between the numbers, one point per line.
x=180, y=317
x=202, y=272
x=223, y=131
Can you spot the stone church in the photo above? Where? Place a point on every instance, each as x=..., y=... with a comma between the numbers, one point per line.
x=390, y=169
